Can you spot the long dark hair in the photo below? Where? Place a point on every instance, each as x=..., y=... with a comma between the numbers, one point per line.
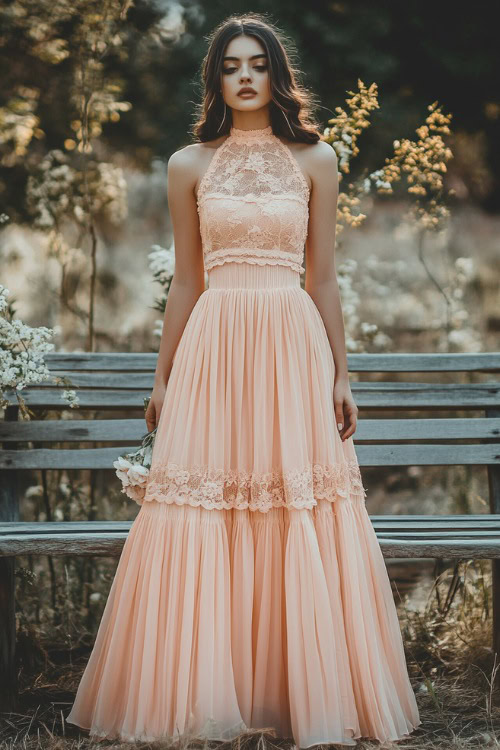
x=289, y=99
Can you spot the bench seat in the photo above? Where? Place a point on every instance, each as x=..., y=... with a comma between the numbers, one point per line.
x=455, y=536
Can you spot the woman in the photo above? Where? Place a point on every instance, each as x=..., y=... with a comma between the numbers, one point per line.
x=251, y=592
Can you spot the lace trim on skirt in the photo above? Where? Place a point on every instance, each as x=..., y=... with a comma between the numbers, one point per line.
x=219, y=489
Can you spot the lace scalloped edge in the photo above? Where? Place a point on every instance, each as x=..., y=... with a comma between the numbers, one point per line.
x=221, y=489
x=211, y=262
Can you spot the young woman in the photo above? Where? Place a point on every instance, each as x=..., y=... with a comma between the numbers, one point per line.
x=251, y=592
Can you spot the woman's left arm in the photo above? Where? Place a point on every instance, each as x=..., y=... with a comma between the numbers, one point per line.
x=321, y=276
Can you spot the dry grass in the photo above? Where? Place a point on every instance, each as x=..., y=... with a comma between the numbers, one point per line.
x=452, y=667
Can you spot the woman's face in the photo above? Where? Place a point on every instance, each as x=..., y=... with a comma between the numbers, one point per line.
x=245, y=64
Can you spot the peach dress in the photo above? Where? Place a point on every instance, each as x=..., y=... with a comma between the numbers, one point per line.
x=251, y=591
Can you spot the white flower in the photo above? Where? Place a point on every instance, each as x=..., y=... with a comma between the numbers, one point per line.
x=122, y=466
x=71, y=398
x=133, y=468
x=138, y=475
x=135, y=493
x=162, y=262
x=21, y=353
x=465, y=266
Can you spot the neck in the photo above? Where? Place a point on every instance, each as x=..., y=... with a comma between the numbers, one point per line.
x=245, y=133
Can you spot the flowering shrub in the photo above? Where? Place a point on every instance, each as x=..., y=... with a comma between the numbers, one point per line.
x=399, y=292
x=57, y=191
x=22, y=349
x=423, y=161
x=162, y=265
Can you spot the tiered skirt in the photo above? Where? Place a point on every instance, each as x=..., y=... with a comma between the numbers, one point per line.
x=251, y=592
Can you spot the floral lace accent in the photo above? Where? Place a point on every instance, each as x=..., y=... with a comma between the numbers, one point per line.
x=253, y=196
x=257, y=257
x=219, y=489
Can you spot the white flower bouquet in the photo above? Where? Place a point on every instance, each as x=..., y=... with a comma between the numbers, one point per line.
x=133, y=468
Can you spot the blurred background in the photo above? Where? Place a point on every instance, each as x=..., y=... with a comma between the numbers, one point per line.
x=95, y=97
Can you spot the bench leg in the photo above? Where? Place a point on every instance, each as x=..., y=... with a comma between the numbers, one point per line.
x=9, y=511
x=494, y=484
x=8, y=671
x=495, y=570
x=494, y=492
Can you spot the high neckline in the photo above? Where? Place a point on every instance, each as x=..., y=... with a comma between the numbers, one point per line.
x=251, y=134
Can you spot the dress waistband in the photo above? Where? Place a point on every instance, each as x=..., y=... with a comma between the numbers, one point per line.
x=252, y=276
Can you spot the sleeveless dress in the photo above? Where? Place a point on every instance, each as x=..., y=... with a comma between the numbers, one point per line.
x=251, y=591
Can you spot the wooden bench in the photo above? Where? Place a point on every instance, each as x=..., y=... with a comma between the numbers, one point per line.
x=119, y=382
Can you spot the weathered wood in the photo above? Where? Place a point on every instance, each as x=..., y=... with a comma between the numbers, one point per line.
x=419, y=454
x=101, y=400
x=415, y=454
x=47, y=458
x=494, y=495
x=373, y=396
x=487, y=362
x=412, y=522
x=428, y=396
x=479, y=538
x=378, y=443
x=52, y=528
x=82, y=430
x=458, y=521
x=9, y=511
x=375, y=430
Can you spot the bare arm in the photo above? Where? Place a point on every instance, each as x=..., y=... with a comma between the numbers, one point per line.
x=188, y=281
x=321, y=277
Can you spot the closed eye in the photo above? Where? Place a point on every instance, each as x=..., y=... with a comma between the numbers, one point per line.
x=260, y=68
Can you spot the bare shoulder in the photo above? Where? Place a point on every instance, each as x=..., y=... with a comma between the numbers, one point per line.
x=189, y=163
x=182, y=162
x=322, y=166
x=320, y=156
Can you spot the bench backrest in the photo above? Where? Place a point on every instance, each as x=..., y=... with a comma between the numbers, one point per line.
x=118, y=383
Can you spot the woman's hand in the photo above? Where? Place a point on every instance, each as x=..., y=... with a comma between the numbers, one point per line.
x=155, y=405
x=346, y=411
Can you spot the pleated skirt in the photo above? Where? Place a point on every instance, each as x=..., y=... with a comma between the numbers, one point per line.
x=251, y=592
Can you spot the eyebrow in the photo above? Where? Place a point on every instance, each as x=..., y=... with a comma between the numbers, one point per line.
x=250, y=58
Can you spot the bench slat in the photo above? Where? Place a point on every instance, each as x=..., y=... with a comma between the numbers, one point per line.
x=111, y=543
x=405, y=396
x=488, y=362
x=415, y=454
x=379, y=430
x=381, y=522
x=474, y=536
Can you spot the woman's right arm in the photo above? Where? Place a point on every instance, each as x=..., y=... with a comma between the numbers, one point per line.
x=188, y=281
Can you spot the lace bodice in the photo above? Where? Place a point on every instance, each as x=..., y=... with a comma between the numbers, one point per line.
x=253, y=202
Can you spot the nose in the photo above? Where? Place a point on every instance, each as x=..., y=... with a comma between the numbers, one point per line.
x=245, y=74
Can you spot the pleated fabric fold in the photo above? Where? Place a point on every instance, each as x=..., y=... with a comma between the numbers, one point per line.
x=251, y=592
x=218, y=622
x=248, y=418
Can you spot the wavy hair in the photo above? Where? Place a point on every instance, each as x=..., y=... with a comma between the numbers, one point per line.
x=290, y=105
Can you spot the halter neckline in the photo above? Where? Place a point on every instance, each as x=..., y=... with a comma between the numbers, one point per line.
x=241, y=134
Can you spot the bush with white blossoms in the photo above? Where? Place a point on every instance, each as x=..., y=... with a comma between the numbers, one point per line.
x=133, y=468
x=461, y=335
x=162, y=266
x=22, y=351
x=58, y=191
